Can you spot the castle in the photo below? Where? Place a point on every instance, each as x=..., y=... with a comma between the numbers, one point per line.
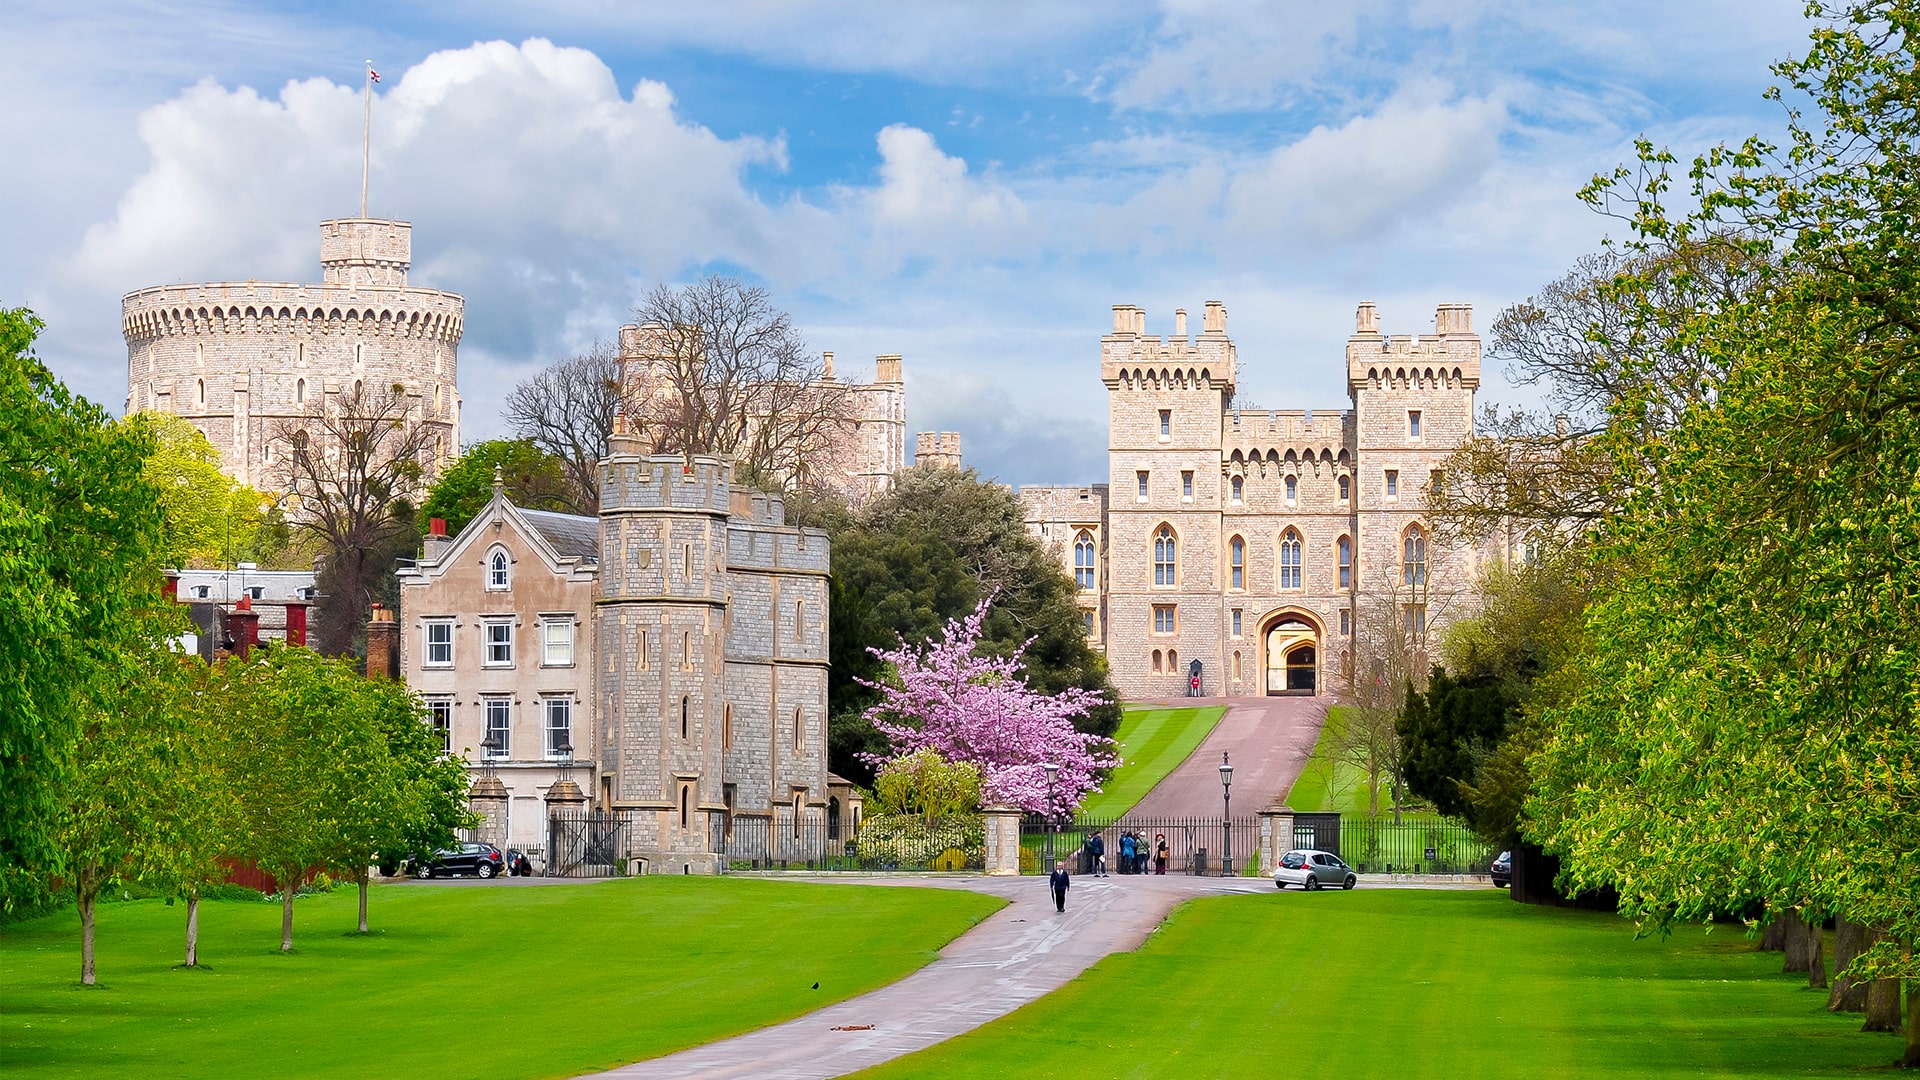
x=672, y=651
x=243, y=360
x=1256, y=543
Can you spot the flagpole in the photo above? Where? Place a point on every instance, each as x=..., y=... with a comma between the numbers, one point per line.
x=366, y=140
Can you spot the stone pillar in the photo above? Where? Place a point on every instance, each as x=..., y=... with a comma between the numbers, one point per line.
x=488, y=800
x=1276, y=836
x=1003, y=840
x=564, y=797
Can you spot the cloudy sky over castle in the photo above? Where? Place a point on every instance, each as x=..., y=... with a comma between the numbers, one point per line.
x=970, y=185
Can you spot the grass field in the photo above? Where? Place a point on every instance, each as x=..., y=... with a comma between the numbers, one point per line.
x=1153, y=742
x=1333, y=786
x=494, y=981
x=1377, y=983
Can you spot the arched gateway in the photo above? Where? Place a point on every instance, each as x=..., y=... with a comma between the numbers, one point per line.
x=1293, y=655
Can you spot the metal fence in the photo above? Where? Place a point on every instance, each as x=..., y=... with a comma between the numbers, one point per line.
x=1430, y=846
x=590, y=844
x=892, y=843
x=1206, y=846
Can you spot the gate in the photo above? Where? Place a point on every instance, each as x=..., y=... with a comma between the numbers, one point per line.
x=882, y=843
x=1194, y=845
x=1318, y=831
x=586, y=845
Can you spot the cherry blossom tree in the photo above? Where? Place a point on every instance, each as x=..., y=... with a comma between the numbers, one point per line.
x=977, y=709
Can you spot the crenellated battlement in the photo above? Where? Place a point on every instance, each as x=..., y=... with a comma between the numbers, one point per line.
x=1130, y=358
x=1446, y=359
x=252, y=307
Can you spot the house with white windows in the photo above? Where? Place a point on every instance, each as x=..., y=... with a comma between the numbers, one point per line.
x=497, y=637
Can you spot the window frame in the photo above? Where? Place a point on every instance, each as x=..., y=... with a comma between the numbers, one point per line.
x=488, y=644
x=499, y=570
x=440, y=719
x=1166, y=557
x=1083, y=556
x=497, y=707
x=428, y=645
x=1413, y=423
x=1413, y=556
x=548, y=703
x=1237, y=486
x=1166, y=424
x=1237, y=563
x=1166, y=619
x=1393, y=483
x=1292, y=548
x=1141, y=475
x=1343, y=561
x=548, y=624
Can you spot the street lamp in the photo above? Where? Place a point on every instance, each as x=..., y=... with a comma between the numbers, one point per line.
x=1226, y=815
x=1053, y=822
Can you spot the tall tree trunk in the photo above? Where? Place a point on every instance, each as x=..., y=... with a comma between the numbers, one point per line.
x=1816, y=955
x=1849, y=941
x=363, y=899
x=1883, y=1005
x=1912, y=1057
x=1774, y=937
x=287, y=891
x=89, y=889
x=1795, y=931
x=193, y=927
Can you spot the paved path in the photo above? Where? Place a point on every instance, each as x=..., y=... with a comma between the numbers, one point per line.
x=1270, y=740
x=1020, y=953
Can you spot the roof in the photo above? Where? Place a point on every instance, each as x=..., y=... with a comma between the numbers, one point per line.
x=573, y=536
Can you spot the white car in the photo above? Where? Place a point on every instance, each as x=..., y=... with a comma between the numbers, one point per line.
x=1311, y=869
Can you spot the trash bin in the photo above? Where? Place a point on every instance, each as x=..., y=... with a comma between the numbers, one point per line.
x=1200, y=862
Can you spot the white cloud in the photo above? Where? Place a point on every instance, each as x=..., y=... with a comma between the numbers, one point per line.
x=928, y=206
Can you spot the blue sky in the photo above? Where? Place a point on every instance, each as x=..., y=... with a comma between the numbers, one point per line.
x=972, y=186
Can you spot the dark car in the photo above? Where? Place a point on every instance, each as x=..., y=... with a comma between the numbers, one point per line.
x=480, y=860
x=1502, y=869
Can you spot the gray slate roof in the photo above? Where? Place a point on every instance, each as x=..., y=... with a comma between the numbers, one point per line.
x=572, y=535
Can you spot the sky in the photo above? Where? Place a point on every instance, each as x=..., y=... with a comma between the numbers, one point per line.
x=972, y=186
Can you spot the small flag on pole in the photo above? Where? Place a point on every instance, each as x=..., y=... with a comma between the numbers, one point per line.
x=372, y=74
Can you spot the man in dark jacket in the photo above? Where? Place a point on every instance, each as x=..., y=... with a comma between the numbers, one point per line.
x=1057, y=881
x=1097, y=849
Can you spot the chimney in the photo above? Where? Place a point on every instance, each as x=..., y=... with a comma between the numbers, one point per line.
x=170, y=585
x=243, y=623
x=383, y=645
x=296, y=623
x=1214, y=319
x=622, y=440
x=1366, y=320
x=1561, y=423
x=886, y=368
x=437, y=539
x=827, y=358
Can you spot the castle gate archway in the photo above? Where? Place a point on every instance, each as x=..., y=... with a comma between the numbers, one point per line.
x=1292, y=655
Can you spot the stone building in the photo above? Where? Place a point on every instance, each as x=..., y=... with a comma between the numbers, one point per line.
x=1260, y=543
x=677, y=643
x=239, y=359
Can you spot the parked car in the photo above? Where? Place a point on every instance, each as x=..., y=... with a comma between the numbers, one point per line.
x=480, y=860
x=1502, y=869
x=1311, y=869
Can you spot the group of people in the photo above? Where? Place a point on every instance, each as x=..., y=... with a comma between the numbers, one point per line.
x=1136, y=853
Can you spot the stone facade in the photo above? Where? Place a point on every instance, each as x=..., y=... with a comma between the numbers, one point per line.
x=697, y=677
x=238, y=359
x=1257, y=541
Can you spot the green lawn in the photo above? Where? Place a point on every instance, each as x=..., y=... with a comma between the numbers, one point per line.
x=1334, y=786
x=1153, y=742
x=1417, y=984
x=493, y=981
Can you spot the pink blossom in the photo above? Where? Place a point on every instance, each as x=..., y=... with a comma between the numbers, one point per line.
x=979, y=709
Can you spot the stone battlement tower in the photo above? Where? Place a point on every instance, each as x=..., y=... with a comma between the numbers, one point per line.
x=237, y=358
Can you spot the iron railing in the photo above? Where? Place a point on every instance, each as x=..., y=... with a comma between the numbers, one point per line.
x=1196, y=845
x=589, y=844
x=1429, y=846
x=881, y=844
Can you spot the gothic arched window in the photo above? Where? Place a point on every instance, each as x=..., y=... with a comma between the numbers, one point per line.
x=1165, y=552
x=1290, y=560
x=1414, y=557
x=1343, y=560
x=1083, y=559
x=1293, y=488
x=1346, y=488
x=497, y=564
x=1237, y=563
x=1239, y=487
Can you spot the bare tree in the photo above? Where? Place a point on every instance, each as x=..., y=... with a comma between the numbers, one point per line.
x=567, y=411
x=356, y=461
x=723, y=371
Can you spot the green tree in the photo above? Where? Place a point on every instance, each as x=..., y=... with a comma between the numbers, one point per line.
x=212, y=520
x=927, y=552
x=532, y=477
x=1743, y=719
x=134, y=751
x=81, y=530
x=927, y=785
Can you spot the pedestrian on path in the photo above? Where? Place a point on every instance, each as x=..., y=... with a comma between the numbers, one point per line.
x=1127, y=852
x=1097, y=845
x=1160, y=853
x=1058, y=882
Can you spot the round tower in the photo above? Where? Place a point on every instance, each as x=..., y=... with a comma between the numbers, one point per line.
x=243, y=360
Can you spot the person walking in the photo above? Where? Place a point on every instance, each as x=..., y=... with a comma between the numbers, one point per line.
x=1097, y=844
x=1058, y=882
x=1160, y=853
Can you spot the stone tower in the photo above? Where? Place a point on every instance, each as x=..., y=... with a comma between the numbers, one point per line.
x=241, y=359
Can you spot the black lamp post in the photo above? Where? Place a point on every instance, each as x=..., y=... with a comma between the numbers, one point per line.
x=1053, y=821
x=1226, y=817
x=488, y=747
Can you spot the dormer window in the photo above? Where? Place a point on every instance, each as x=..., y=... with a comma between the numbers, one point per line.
x=497, y=564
